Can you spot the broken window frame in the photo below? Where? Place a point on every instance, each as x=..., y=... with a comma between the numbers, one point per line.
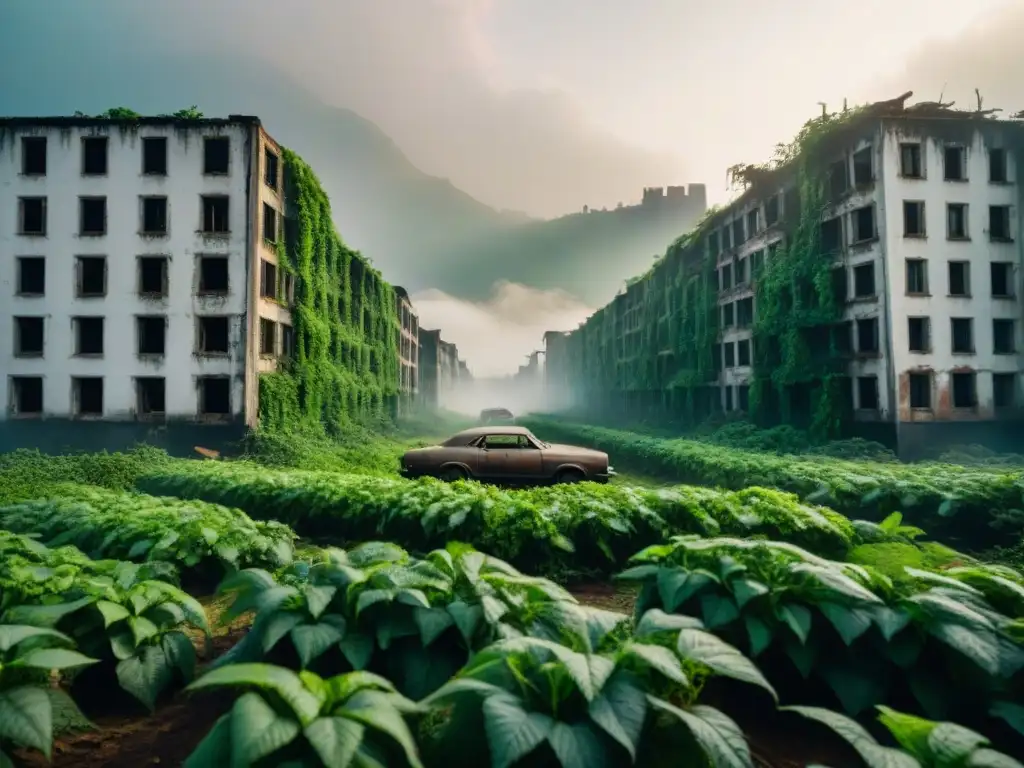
x=149, y=414
x=855, y=222
x=80, y=266
x=874, y=346
x=962, y=151
x=19, y=344
x=26, y=155
x=144, y=202
x=154, y=141
x=201, y=334
x=868, y=152
x=208, y=142
x=83, y=201
x=268, y=337
x=201, y=397
x=271, y=160
x=19, y=277
x=909, y=289
x=914, y=151
x=103, y=141
x=22, y=211
x=78, y=335
x=960, y=323
x=165, y=268
x=77, y=383
x=213, y=218
x=205, y=290
x=872, y=386
x=1003, y=175
x=909, y=208
x=16, y=397
x=1006, y=225
x=963, y=376
x=951, y=218
x=1000, y=334
x=966, y=278
x=141, y=321
x=270, y=222
x=861, y=269
x=1008, y=268
x=1014, y=390
x=925, y=346
x=927, y=387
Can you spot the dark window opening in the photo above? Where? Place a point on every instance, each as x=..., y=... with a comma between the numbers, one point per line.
x=726, y=238
x=94, y=156
x=999, y=222
x=728, y=398
x=268, y=279
x=771, y=210
x=28, y=337
x=215, y=214
x=33, y=156
x=965, y=393
x=153, y=275
x=213, y=335
x=737, y=232
x=287, y=341
x=842, y=337
x=270, y=169
x=728, y=317
x=864, y=280
x=920, y=390
x=33, y=216
x=31, y=276
x=714, y=247
x=919, y=332
x=92, y=218
x=917, y=277
x=730, y=355
x=718, y=358
x=863, y=223
x=152, y=335
x=963, y=334
x=867, y=393
x=154, y=215
x=863, y=173
x=727, y=276
x=88, y=335
x=91, y=276
x=1004, y=390
x=150, y=396
x=27, y=395
x=752, y=223
x=756, y=264
x=1002, y=283
x=867, y=335
x=956, y=221
x=832, y=236
x=743, y=352
x=741, y=272
x=269, y=223
x=1003, y=341
x=959, y=278
x=837, y=179
x=913, y=218
x=213, y=275
x=910, y=161
x=268, y=337
x=954, y=163
x=997, y=166
x=216, y=154
x=215, y=395
x=154, y=156
x=745, y=312
x=88, y=395
x=840, y=285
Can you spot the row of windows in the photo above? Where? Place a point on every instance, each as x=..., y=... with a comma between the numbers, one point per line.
x=154, y=217
x=914, y=224
x=212, y=336
x=954, y=163
x=95, y=154
x=26, y=396
x=958, y=281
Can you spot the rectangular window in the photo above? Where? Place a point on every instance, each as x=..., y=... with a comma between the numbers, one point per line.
x=213, y=275
x=919, y=334
x=154, y=216
x=956, y=221
x=33, y=155
x=867, y=335
x=920, y=390
x=743, y=352
x=31, y=276
x=997, y=166
x=90, y=276
x=151, y=335
x=1003, y=337
x=965, y=391
x=837, y=179
x=270, y=165
x=863, y=223
x=1004, y=390
x=745, y=312
x=216, y=155
x=756, y=264
x=730, y=355
x=94, y=156
x=92, y=216
x=867, y=393
x=288, y=342
x=864, y=280
x=753, y=225
x=831, y=236
x=269, y=223
x=213, y=335
x=88, y=336
x=910, y=161
x=28, y=336
x=727, y=276
x=728, y=318
x=154, y=156
x=214, y=395
x=863, y=172
x=737, y=232
x=913, y=218
x=954, y=163
x=152, y=276
x=215, y=215
x=713, y=246
x=741, y=272
x=1002, y=279
x=87, y=395
x=728, y=398
x=917, y=277
x=32, y=216
x=268, y=279
x=26, y=395
x=268, y=337
x=150, y=396
x=771, y=210
x=726, y=238
x=959, y=278
x=963, y=335
x=999, y=223
x=842, y=337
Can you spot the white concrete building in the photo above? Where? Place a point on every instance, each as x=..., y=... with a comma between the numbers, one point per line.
x=138, y=280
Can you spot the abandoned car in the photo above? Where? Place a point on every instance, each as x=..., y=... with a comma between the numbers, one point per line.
x=496, y=416
x=506, y=454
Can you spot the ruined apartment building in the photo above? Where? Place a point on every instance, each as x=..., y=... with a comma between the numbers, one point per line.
x=440, y=368
x=408, y=351
x=138, y=274
x=922, y=223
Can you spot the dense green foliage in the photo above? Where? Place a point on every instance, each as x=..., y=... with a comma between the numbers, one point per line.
x=969, y=507
x=132, y=526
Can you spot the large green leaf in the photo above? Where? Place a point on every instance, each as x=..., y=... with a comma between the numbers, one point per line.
x=215, y=748
x=744, y=590
x=374, y=710
x=335, y=739
x=312, y=640
x=849, y=622
x=978, y=645
x=12, y=634
x=146, y=674
x=257, y=731
x=655, y=621
x=578, y=746
x=512, y=732
x=721, y=657
x=759, y=633
x=659, y=658
x=797, y=618
x=873, y=754
x=951, y=744
x=432, y=623
x=620, y=710
x=989, y=758
x=857, y=688
x=318, y=598
x=26, y=718
x=718, y=610
x=283, y=682
x=52, y=658
x=1013, y=714
x=718, y=735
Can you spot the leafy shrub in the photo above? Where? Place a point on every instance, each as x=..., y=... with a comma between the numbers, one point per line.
x=836, y=632
x=534, y=529
x=957, y=504
x=132, y=526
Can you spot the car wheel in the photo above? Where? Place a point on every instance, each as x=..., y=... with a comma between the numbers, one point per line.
x=451, y=474
x=569, y=476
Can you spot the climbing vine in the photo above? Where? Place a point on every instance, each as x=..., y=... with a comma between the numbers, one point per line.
x=345, y=365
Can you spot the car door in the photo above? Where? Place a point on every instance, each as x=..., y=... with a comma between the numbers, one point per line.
x=526, y=461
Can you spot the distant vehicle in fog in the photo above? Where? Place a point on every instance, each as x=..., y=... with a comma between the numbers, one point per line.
x=496, y=416
x=506, y=454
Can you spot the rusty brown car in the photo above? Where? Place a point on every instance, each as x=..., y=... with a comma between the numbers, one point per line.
x=508, y=455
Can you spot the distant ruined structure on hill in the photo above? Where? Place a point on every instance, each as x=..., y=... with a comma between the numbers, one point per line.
x=677, y=200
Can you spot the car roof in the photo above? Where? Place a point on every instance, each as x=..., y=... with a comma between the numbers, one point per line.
x=496, y=410
x=468, y=435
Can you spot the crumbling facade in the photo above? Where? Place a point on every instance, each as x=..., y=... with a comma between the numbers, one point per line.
x=869, y=284
x=408, y=351
x=440, y=368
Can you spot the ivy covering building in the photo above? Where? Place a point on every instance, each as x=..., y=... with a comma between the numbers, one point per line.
x=866, y=281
